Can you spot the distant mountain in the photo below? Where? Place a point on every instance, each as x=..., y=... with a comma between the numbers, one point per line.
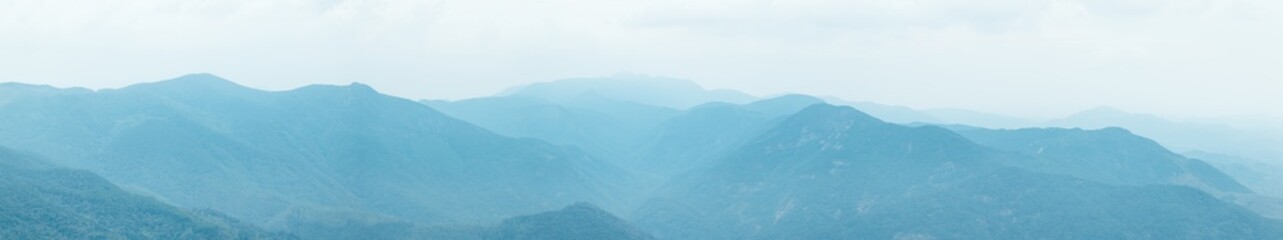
x=605, y=127
x=831, y=172
x=1181, y=136
x=656, y=91
x=14, y=91
x=978, y=119
x=906, y=115
x=42, y=201
x=1110, y=155
x=700, y=134
x=889, y=113
x=1261, y=177
x=275, y=158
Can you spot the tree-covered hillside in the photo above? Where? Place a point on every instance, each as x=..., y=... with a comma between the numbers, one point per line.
x=40, y=201
x=835, y=173
x=328, y=154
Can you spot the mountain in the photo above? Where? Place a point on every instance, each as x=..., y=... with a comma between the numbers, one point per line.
x=1261, y=177
x=1181, y=136
x=342, y=153
x=13, y=91
x=906, y=115
x=578, y=221
x=831, y=172
x=649, y=90
x=1110, y=155
x=604, y=127
x=889, y=113
x=700, y=134
x=978, y=119
x=42, y=201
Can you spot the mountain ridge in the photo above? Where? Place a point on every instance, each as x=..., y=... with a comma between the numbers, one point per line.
x=257, y=154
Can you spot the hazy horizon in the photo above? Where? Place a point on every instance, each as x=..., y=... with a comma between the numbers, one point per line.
x=1044, y=59
x=641, y=120
x=1242, y=121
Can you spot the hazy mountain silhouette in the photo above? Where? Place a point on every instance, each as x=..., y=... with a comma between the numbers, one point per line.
x=605, y=127
x=906, y=115
x=14, y=91
x=275, y=157
x=700, y=134
x=1181, y=136
x=889, y=113
x=836, y=173
x=978, y=119
x=42, y=201
x=1261, y=177
x=656, y=91
x=1197, y=137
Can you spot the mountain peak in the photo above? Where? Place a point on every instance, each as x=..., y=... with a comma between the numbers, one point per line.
x=202, y=82
x=205, y=79
x=357, y=87
x=577, y=221
x=826, y=111
x=823, y=121
x=650, y=90
x=791, y=98
x=784, y=104
x=351, y=89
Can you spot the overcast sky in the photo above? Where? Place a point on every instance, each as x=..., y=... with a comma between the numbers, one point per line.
x=1185, y=58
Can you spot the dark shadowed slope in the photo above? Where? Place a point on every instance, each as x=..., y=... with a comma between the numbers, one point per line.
x=836, y=173
x=276, y=158
x=41, y=201
x=578, y=221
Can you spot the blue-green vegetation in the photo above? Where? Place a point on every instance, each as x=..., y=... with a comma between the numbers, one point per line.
x=43, y=201
x=623, y=157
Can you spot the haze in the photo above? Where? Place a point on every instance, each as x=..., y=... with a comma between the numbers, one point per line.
x=1042, y=58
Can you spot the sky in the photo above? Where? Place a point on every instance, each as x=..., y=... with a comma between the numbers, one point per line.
x=1033, y=58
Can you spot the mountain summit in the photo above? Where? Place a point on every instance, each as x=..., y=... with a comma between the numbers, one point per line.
x=657, y=91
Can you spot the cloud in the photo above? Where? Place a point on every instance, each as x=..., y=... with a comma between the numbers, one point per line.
x=1042, y=57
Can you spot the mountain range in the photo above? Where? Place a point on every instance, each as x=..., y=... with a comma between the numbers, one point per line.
x=619, y=157
x=319, y=155
x=832, y=172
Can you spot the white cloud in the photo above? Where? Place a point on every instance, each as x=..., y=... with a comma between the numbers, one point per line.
x=1177, y=57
